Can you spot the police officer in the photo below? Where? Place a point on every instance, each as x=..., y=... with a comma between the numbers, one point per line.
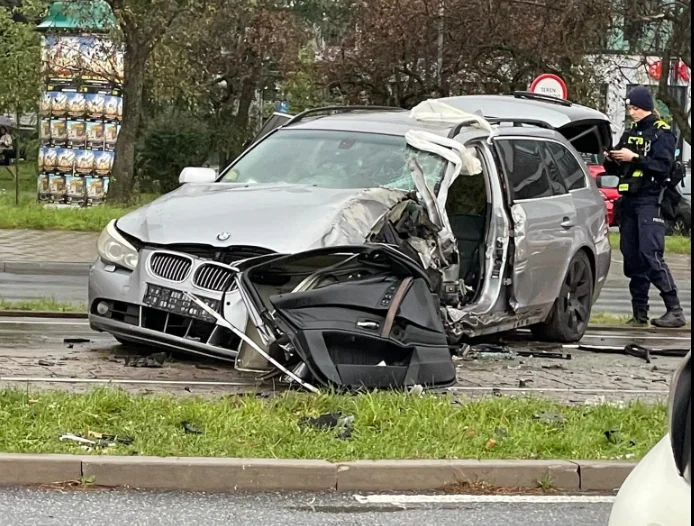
x=643, y=159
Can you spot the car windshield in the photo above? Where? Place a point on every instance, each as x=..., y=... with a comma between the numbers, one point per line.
x=334, y=159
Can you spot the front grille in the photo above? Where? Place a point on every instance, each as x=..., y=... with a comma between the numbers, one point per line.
x=226, y=256
x=170, y=266
x=213, y=277
x=188, y=328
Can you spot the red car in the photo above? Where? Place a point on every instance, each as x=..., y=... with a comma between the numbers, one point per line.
x=610, y=195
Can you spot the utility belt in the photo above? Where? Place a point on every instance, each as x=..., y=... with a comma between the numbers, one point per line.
x=633, y=183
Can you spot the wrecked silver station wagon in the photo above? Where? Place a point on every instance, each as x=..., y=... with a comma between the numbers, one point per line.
x=487, y=194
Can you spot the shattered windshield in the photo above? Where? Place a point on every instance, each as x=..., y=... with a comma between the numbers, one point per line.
x=334, y=159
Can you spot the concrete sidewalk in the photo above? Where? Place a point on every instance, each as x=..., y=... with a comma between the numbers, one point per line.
x=47, y=246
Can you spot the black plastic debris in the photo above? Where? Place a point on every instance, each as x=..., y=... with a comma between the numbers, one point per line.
x=524, y=383
x=635, y=350
x=155, y=360
x=190, y=429
x=46, y=363
x=330, y=421
x=550, y=418
x=71, y=342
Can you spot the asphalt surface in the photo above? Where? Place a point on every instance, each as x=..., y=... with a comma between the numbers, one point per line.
x=66, y=354
x=67, y=289
x=614, y=299
x=28, y=507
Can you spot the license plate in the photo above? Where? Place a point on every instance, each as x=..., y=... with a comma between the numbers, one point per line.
x=176, y=302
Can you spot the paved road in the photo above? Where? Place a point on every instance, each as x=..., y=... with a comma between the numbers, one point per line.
x=34, y=353
x=24, y=507
x=614, y=299
x=67, y=289
x=615, y=296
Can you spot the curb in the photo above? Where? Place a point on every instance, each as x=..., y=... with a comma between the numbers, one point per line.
x=223, y=475
x=45, y=268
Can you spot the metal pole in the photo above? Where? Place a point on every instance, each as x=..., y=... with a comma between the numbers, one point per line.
x=439, y=63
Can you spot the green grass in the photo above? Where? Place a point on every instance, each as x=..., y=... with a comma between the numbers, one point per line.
x=387, y=426
x=673, y=244
x=43, y=304
x=33, y=216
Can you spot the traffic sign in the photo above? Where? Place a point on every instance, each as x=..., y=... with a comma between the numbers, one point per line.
x=549, y=84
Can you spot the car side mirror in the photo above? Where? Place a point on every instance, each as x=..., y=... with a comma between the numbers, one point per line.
x=608, y=181
x=197, y=175
x=680, y=416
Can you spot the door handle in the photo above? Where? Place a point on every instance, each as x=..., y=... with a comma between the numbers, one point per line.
x=567, y=223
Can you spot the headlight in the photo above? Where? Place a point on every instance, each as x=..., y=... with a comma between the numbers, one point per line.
x=113, y=247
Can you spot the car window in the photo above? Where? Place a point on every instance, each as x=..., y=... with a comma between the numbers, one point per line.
x=525, y=168
x=556, y=178
x=573, y=173
x=334, y=159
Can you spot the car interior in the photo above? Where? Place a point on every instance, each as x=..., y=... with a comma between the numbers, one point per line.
x=468, y=211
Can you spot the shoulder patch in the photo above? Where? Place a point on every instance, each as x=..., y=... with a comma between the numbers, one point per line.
x=662, y=125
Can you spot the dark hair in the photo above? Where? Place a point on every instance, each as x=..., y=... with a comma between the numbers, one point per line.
x=4, y=130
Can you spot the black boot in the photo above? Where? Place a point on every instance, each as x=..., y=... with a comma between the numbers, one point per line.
x=639, y=319
x=673, y=319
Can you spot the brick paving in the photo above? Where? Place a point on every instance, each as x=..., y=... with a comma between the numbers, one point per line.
x=47, y=246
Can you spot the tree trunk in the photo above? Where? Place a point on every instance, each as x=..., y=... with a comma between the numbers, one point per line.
x=124, y=164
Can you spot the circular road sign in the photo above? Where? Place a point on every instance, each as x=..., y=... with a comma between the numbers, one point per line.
x=551, y=85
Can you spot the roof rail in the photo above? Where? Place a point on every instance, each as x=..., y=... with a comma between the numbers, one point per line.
x=544, y=98
x=463, y=124
x=337, y=109
x=520, y=122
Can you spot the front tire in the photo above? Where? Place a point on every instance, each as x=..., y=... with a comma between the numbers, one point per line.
x=570, y=314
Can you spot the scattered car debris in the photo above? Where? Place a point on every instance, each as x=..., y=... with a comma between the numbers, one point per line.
x=190, y=429
x=155, y=360
x=635, y=350
x=46, y=363
x=330, y=421
x=614, y=436
x=101, y=441
x=71, y=342
x=490, y=351
x=119, y=439
x=550, y=418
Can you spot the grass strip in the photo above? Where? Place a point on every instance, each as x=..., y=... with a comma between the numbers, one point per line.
x=42, y=305
x=680, y=245
x=387, y=425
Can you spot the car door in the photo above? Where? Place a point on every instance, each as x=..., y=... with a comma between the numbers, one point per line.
x=544, y=218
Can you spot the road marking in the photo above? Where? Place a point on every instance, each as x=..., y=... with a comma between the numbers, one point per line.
x=558, y=390
x=484, y=499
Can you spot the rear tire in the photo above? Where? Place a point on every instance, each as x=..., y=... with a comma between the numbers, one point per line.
x=570, y=314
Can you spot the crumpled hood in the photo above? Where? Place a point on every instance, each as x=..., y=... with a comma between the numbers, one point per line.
x=279, y=217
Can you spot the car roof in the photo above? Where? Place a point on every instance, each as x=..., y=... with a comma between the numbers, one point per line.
x=554, y=112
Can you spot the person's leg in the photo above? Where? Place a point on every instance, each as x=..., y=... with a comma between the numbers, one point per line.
x=635, y=268
x=652, y=243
